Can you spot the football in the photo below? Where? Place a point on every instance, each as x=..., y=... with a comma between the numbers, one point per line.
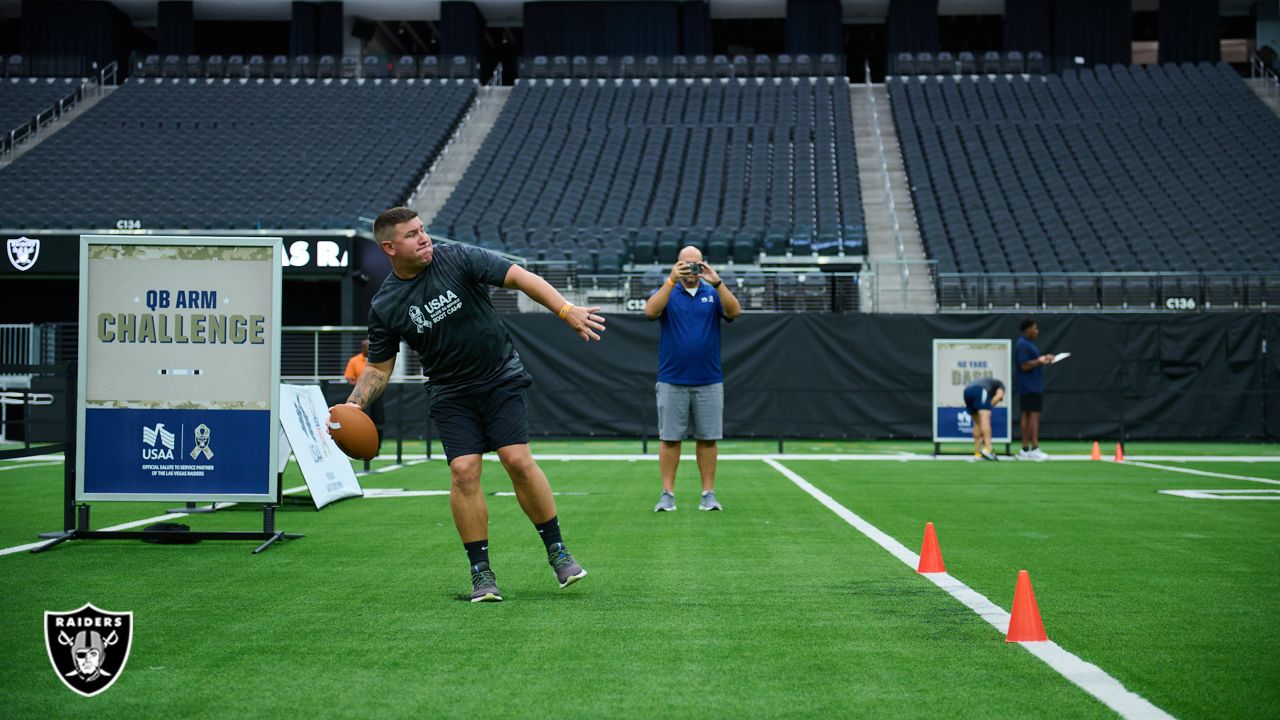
x=353, y=431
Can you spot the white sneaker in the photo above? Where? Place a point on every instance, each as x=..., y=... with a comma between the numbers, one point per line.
x=1024, y=455
x=1038, y=455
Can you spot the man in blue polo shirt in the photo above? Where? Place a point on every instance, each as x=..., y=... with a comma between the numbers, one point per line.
x=689, y=307
x=1029, y=384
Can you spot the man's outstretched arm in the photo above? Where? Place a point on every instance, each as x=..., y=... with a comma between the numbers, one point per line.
x=371, y=383
x=583, y=320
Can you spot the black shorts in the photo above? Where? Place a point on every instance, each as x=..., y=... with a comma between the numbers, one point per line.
x=1031, y=402
x=475, y=422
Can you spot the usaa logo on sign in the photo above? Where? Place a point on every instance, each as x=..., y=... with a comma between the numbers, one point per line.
x=157, y=443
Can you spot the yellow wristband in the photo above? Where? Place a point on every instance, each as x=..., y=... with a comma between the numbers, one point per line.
x=564, y=311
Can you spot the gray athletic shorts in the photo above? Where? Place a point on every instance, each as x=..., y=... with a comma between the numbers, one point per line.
x=685, y=407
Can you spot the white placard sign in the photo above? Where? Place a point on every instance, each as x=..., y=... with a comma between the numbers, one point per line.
x=956, y=363
x=179, y=368
x=303, y=415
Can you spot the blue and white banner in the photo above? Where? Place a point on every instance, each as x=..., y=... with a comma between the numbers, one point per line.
x=195, y=452
x=179, y=368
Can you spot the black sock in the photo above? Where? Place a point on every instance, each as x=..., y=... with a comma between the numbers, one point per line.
x=550, y=532
x=477, y=552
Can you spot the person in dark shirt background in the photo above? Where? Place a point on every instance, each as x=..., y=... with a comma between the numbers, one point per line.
x=1028, y=382
x=980, y=397
x=436, y=299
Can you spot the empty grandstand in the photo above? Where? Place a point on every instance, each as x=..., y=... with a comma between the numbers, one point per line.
x=235, y=154
x=1121, y=168
x=635, y=169
x=22, y=99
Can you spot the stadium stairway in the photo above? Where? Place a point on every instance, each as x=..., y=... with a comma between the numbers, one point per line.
x=442, y=177
x=92, y=97
x=903, y=283
x=1264, y=88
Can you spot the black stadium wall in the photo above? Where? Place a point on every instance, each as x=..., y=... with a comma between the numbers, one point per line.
x=854, y=376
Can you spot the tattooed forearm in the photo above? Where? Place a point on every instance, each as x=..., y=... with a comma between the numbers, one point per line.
x=369, y=386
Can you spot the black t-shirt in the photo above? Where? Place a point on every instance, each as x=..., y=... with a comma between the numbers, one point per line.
x=444, y=313
x=989, y=384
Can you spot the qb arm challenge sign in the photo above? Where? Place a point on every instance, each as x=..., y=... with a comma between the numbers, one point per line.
x=956, y=363
x=179, y=373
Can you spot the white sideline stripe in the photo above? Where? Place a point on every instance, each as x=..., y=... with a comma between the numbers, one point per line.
x=1204, y=473
x=28, y=465
x=136, y=523
x=401, y=492
x=50, y=457
x=1085, y=675
x=1250, y=494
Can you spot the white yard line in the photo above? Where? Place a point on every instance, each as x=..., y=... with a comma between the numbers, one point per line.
x=1204, y=473
x=28, y=465
x=1085, y=675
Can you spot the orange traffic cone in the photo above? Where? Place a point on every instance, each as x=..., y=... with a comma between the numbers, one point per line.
x=930, y=553
x=1119, y=452
x=1096, y=454
x=1024, y=622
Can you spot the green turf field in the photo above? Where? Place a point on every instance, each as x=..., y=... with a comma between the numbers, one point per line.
x=776, y=607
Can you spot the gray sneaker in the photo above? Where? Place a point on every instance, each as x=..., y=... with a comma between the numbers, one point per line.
x=568, y=571
x=666, y=502
x=709, y=501
x=484, y=585
x=988, y=455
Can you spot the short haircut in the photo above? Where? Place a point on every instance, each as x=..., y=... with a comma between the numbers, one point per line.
x=1026, y=323
x=389, y=219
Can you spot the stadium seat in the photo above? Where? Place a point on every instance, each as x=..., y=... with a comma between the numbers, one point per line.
x=256, y=67
x=215, y=66
x=15, y=66
x=327, y=67
x=1035, y=63
x=581, y=66
x=280, y=67
x=540, y=68
x=601, y=67
x=429, y=67
x=406, y=67
x=373, y=67
x=945, y=64
x=462, y=67
x=236, y=67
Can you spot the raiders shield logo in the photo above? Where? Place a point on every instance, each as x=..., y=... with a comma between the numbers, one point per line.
x=23, y=252
x=88, y=647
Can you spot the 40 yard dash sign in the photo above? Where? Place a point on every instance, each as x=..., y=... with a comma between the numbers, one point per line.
x=179, y=368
